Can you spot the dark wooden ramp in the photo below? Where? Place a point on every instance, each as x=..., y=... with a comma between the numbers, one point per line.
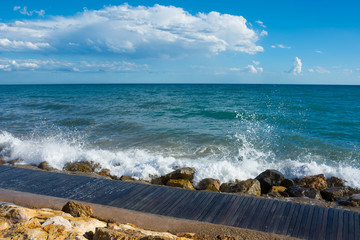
x=280, y=217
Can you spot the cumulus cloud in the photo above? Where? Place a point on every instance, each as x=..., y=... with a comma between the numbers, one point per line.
x=248, y=69
x=318, y=51
x=319, y=70
x=7, y=45
x=264, y=33
x=25, y=11
x=297, y=68
x=158, y=31
x=68, y=66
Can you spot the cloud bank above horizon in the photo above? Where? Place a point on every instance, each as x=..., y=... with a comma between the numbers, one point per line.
x=135, y=32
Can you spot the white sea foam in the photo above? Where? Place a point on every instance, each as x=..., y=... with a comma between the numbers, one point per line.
x=142, y=163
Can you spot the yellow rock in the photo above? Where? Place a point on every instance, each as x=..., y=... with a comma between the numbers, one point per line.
x=3, y=225
x=180, y=183
x=277, y=189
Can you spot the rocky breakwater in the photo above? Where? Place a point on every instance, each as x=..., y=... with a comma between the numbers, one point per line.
x=75, y=222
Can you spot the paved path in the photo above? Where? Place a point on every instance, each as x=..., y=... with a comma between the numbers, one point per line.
x=280, y=217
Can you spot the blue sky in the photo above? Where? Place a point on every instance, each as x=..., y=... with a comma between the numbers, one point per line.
x=85, y=41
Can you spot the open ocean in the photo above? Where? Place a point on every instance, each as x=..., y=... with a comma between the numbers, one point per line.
x=224, y=131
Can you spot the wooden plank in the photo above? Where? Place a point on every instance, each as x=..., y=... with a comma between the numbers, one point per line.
x=194, y=203
x=212, y=204
x=216, y=209
x=246, y=211
x=335, y=225
x=357, y=226
x=168, y=211
x=204, y=204
x=229, y=209
x=322, y=229
x=345, y=234
x=161, y=198
x=351, y=225
x=269, y=216
x=305, y=229
x=340, y=224
x=291, y=218
x=132, y=199
x=300, y=221
x=329, y=223
x=284, y=218
x=277, y=217
x=253, y=215
x=171, y=198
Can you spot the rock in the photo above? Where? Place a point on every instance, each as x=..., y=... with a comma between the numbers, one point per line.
x=250, y=186
x=353, y=201
x=334, y=193
x=268, y=179
x=180, y=183
x=209, y=184
x=58, y=232
x=15, y=161
x=105, y=172
x=157, y=181
x=17, y=215
x=335, y=182
x=45, y=166
x=87, y=227
x=1, y=160
x=182, y=173
x=77, y=209
x=287, y=183
x=131, y=179
x=58, y=220
x=304, y=192
x=84, y=166
x=3, y=225
x=278, y=191
x=317, y=182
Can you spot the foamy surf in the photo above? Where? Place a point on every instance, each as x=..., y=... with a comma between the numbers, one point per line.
x=248, y=162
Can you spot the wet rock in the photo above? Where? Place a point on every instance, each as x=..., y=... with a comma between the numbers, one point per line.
x=335, y=182
x=157, y=181
x=304, y=192
x=209, y=184
x=317, y=182
x=180, y=183
x=334, y=193
x=105, y=172
x=353, y=201
x=268, y=179
x=2, y=161
x=250, y=186
x=287, y=183
x=77, y=209
x=182, y=173
x=278, y=191
x=85, y=166
x=131, y=179
x=46, y=166
x=15, y=161
x=58, y=220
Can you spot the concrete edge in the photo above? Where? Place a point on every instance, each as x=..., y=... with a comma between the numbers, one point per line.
x=142, y=220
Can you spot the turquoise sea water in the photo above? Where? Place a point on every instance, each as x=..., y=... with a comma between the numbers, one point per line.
x=225, y=131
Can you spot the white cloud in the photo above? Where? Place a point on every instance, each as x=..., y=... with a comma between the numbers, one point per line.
x=318, y=51
x=261, y=23
x=25, y=11
x=7, y=45
x=297, y=68
x=256, y=62
x=248, y=69
x=280, y=46
x=319, y=70
x=264, y=33
x=68, y=66
x=157, y=31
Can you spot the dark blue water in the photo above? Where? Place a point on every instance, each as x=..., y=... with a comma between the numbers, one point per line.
x=225, y=131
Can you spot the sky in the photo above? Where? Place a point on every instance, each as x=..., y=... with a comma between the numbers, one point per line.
x=180, y=41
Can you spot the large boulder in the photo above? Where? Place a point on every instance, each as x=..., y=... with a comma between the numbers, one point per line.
x=180, y=183
x=209, y=184
x=250, y=186
x=334, y=193
x=13, y=214
x=353, y=201
x=76, y=209
x=181, y=173
x=304, y=192
x=45, y=166
x=268, y=179
x=335, y=182
x=317, y=182
x=287, y=183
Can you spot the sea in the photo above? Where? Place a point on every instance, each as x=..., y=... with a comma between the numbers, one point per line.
x=225, y=131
